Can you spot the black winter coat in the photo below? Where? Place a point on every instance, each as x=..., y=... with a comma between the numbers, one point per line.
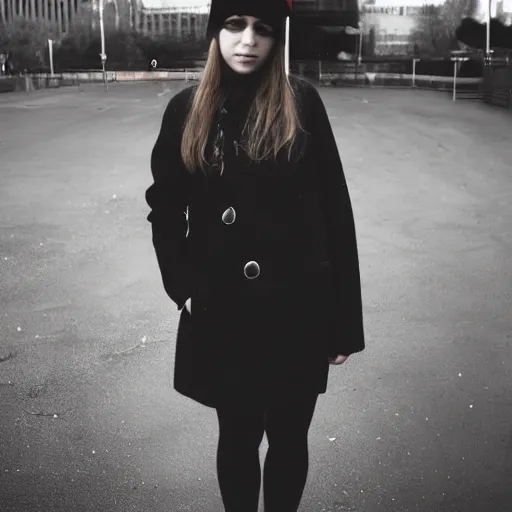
x=248, y=337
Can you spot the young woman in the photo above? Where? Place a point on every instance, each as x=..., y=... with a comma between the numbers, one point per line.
x=264, y=265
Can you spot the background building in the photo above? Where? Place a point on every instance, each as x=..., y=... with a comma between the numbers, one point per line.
x=171, y=21
x=504, y=11
x=56, y=13
x=318, y=28
x=61, y=15
x=500, y=8
x=390, y=25
x=389, y=28
x=117, y=14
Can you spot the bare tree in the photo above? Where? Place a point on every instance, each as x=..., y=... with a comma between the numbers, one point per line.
x=434, y=34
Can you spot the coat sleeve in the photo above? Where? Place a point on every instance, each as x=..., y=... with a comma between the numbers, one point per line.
x=339, y=221
x=168, y=198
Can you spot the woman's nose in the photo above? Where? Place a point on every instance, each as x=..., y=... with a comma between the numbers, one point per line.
x=248, y=36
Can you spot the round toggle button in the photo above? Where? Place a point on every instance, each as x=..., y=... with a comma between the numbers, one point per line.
x=251, y=270
x=229, y=216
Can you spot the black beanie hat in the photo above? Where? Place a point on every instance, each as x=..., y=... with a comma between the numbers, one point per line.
x=273, y=12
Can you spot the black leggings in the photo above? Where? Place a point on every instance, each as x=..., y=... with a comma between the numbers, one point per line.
x=286, y=464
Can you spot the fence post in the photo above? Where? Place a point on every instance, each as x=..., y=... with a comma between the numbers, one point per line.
x=414, y=72
x=454, y=78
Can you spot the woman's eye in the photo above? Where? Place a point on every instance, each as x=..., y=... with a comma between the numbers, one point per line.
x=240, y=24
x=264, y=30
x=235, y=24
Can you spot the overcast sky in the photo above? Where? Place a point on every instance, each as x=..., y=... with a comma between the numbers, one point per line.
x=187, y=3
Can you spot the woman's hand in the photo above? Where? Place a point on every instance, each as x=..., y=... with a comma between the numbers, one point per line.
x=339, y=359
x=188, y=305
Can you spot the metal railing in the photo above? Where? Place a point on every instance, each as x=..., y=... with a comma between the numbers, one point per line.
x=494, y=86
x=392, y=74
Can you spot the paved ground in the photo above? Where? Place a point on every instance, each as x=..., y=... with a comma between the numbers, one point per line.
x=421, y=421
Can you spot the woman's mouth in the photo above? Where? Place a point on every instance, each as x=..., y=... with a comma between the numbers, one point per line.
x=245, y=59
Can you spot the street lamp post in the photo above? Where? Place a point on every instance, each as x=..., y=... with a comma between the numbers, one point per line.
x=103, y=55
x=50, y=51
x=360, y=51
x=488, y=31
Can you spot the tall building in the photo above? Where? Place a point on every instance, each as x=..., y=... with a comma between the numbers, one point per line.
x=390, y=27
x=499, y=8
x=317, y=30
x=56, y=14
x=117, y=14
x=504, y=11
x=327, y=13
x=171, y=21
x=60, y=15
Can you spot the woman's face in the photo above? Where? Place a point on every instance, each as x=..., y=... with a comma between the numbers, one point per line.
x=245, y=35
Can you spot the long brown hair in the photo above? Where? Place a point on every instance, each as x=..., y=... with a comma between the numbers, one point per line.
x=273, y=119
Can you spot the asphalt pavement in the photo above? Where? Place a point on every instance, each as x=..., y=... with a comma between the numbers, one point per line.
x=420, y=421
